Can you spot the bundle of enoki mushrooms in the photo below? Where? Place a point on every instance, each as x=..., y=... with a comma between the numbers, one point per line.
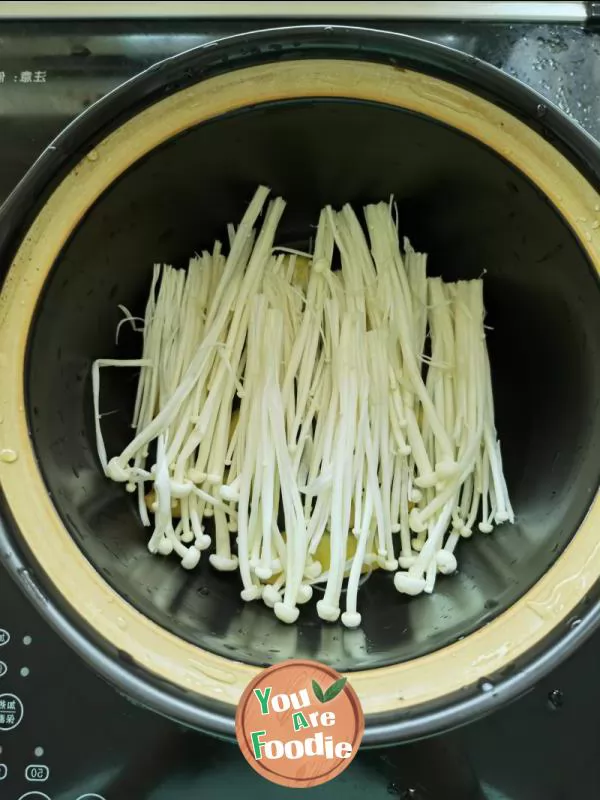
x=328, y=413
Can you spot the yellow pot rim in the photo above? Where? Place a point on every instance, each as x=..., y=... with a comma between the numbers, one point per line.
x=204, y=675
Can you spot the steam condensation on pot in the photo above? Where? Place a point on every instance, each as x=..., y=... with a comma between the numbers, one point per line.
x=333, y=421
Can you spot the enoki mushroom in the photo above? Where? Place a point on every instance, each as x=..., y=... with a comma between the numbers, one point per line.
x=325, y=420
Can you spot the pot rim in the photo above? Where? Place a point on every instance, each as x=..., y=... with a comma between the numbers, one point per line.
x=118, y=667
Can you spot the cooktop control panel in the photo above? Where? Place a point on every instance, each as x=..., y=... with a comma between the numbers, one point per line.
x=64, y=733
x=37, y=699
x=24, y=765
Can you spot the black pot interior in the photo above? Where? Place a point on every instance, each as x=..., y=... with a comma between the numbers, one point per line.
x=458, y=201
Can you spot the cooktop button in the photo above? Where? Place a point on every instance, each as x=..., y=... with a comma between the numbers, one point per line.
x=3, y=669
x=90, y=797
x=4, y=637
x=37, y=772
x=3, y=771
x=35, y=796
x=11, y=712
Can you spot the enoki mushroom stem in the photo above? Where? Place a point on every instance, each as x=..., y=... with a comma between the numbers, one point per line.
x=309, y=425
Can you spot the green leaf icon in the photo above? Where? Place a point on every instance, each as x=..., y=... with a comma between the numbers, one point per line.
x=334, y=689
x=318, y=692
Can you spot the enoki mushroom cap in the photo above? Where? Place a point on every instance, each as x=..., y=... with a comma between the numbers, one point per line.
x=223, y=563
x=351, y=619
x=446, y=562
x=271, y=596
x=116, y=472
x=409, y=584
x=191, y=559
x=327, y=612
x=305, y=593
x=251, y=593
x=286, y=613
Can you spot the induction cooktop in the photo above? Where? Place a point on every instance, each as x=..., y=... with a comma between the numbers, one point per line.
x=64, y=733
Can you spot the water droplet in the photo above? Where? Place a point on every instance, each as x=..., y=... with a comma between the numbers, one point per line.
x=555, y=699
x=395, y=789
x=588, y=236
x=575, y=623
x=485, y=685
x=7, y=455
x=541, y=110
x=92, y=155
x=595, y=226
x=122, y=623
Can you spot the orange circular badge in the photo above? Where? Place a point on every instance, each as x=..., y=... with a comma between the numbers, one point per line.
x=299, y=723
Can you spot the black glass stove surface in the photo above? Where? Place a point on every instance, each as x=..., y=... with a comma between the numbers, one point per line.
x=65, y=734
